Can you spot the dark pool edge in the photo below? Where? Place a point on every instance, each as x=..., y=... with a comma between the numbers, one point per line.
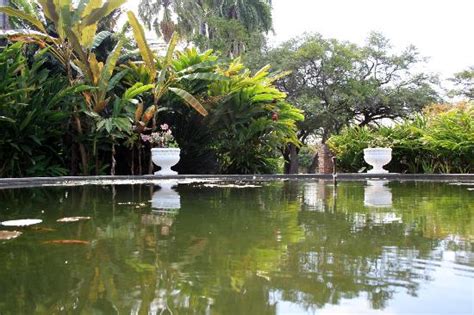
x=71, y=180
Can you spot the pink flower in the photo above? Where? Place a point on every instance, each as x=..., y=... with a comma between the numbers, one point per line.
x=145, y=138
x=164, y=127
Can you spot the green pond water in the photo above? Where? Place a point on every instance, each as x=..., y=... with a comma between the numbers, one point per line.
x=287, y=247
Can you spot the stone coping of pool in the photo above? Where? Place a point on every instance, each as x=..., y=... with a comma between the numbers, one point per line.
x=143, y=179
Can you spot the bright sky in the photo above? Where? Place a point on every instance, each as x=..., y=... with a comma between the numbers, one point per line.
x=440, y=29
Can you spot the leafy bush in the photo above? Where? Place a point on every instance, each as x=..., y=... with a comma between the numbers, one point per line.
x=90, y=112
x=248, y=122
x=440, y=141
x=252, y=122
x=33, y=113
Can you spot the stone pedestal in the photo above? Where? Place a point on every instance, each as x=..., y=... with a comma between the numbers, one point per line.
x=325, y=160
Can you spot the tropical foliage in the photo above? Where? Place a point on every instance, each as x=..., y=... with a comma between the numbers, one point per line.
x=253, y=121
x=103, y=93
x=464, y=84
x=436, y=142
x=109, y=97
x=248, y=124
x=33, y=115
x=233, y=27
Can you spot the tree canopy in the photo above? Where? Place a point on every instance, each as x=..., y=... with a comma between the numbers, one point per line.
x=231, y=26
x=464, y=83
x=338, y=83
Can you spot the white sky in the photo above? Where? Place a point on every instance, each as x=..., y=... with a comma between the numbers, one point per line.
x=442, y=30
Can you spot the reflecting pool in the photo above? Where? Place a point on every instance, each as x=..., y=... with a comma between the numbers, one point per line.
x=285, y=247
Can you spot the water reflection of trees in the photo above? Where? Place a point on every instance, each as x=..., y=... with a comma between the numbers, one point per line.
x=228, y=250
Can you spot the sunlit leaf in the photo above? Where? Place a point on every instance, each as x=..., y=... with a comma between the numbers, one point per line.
x=190, y=100
x=24, y=16
x=99, y=13
x=143, y=47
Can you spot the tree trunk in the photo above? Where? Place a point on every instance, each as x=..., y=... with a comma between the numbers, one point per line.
x=132, y=169
x=140, y=168
x=113, y=162
x=82, y=149
x=291, y=159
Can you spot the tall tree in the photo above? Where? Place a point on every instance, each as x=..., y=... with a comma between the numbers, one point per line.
x=338, y=83
x=208, y=22
x=464, y=82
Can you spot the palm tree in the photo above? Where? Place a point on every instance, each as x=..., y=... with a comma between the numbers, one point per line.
x=197, y=18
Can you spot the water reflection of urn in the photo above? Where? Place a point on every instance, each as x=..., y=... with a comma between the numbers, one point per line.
x=166, y=197
x=377, y=194
x=165, y=204
x=315, y=195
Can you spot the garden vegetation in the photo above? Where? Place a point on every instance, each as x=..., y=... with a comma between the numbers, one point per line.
x=77, y=94
x=69, y=108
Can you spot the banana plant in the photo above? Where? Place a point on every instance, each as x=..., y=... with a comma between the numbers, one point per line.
x=76, y=28
x=119, y=124
x=162, y=74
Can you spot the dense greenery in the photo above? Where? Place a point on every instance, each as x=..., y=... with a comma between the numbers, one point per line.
x=440, y=141
x=232, y=27
x=100, y=93
x=464, y=84
x=33, y=116
x=338, y=84
x=108, y=96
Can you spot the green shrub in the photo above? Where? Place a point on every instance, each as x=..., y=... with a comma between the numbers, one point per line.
x=442, y=142
x=33, y=113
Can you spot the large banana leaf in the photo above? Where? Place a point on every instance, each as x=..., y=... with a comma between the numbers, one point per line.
x=190, y=100
x=110, y=65
x=99, y=13
x=50, y=10
x=99, y=38
x=168, y=58
x=24, y=16
x=143, y=47
x=135, y=90
x=204, y=76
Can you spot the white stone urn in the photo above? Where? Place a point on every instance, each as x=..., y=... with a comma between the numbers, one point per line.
x=165, y=158
x=377, y=158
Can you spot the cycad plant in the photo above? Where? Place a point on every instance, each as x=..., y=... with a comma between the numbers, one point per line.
x=253, y=122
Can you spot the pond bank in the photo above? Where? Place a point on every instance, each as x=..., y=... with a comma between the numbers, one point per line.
x=118, y=180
